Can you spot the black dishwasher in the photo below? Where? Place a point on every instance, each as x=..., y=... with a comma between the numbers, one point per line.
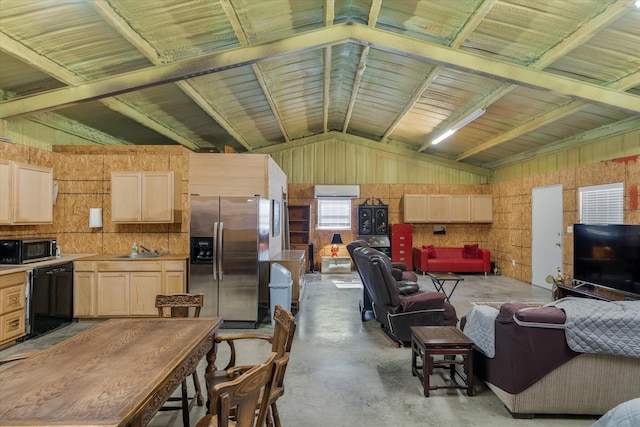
x=49, y=298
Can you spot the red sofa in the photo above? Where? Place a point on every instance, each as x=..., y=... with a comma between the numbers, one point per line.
x=467, y=259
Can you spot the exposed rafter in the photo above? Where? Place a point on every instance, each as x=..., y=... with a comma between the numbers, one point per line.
x=244, y=41
x=43, y=64
x=72, y=127
x=473, y=22
x=580, y=36
x=328, y=17
x=315, y=39
x=124, y=29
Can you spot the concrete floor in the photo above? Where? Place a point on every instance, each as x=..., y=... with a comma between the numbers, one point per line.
x=344, y=372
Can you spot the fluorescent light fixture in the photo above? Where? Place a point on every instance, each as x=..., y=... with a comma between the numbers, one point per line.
x=637, y=3
x=462, y=123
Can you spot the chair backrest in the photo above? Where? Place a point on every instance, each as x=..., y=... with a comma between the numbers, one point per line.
x=242, y=396
x=375, y=270
x=283, y=331
x=351, y=247
x=179, y=304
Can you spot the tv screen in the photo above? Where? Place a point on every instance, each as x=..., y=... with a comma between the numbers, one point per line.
x=607, y=255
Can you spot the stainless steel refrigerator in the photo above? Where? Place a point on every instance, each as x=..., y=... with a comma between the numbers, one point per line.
x=229, y=259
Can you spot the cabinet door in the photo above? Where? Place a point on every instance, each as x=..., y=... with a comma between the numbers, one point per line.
x=438, y=208
x=126, y=197
x=83, y=291
x=459, y=208
x=143, y=288
x=481, y=208
x=113, y=294
x=415, y=208
x=157, y=197
x=175, y=282
x=33, y=197
x=6, y=192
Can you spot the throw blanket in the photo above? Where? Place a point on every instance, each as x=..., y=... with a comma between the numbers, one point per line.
x=609, y=327
x=481, y=328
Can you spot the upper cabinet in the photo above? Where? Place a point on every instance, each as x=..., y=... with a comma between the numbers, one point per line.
x=444, y=208
x=26, y=193
x=146, y=197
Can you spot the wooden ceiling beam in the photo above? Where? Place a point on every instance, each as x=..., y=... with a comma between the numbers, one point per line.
x=232, y=16
x=431, y=52
x=328, y=17
x=579, y=37
x=472, y=23
x=44, y=65
x=110, y=16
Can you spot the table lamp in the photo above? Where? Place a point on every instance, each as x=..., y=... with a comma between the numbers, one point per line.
x=336, y=240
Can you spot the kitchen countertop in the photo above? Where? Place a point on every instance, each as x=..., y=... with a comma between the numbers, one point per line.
x=117, y=257
x=17, y=268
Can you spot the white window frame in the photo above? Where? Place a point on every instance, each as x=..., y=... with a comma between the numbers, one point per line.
x=334, y=214
x=601, y=204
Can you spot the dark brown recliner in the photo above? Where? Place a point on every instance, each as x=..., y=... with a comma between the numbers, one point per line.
x=407, y=281
x=395, y=312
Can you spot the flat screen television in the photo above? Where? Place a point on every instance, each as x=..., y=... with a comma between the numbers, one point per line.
x=607, y=255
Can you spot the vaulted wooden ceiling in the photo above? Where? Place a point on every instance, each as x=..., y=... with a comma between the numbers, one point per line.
x=251, y=74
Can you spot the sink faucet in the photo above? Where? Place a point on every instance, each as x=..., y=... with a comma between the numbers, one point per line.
x=144, y=250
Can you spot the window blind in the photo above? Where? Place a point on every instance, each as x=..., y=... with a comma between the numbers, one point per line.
x=602, y=204
x=334, y=214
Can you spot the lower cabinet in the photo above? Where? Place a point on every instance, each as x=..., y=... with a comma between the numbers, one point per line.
x=129, y=288
x=12, y=306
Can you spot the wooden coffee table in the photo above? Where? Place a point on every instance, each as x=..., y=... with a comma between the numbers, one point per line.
x=449, y=341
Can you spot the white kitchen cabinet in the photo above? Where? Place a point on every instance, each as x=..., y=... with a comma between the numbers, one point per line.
x=26, y=193
x=459, y=208
x=146, y=197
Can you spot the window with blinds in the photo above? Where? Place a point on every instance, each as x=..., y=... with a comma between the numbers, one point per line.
x=602, y=204
x=334, y=214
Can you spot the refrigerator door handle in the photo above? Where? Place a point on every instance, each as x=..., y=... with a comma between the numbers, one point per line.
x=215, y=250
x=220, y=250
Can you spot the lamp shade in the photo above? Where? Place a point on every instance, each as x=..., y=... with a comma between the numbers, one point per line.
x=336, y=239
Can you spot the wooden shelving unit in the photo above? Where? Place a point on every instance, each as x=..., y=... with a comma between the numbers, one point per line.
x=299, y=229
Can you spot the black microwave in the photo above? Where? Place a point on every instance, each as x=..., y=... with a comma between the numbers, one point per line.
x=22, y=251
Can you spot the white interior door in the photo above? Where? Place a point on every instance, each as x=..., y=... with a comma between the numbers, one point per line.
x=546, y=232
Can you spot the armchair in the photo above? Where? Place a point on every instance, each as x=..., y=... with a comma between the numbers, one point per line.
x=395, y=312
x=407, y=281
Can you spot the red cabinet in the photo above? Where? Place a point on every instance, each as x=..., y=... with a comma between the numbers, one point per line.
x=402, y=244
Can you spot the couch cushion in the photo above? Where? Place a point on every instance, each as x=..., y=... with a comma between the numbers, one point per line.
x=431, y=250
x=541, y=315
x=470, y=251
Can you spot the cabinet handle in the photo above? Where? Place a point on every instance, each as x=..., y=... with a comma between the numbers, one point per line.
x=15, y=323
x=14, y=299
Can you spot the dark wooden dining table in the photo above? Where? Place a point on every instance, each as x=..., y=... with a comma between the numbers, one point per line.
x=117, y=373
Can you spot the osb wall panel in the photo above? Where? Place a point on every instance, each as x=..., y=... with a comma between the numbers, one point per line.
x=391, y=195
x=511, y=235
x=83, y=174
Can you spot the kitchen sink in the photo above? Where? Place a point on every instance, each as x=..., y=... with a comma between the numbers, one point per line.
x=140, y=256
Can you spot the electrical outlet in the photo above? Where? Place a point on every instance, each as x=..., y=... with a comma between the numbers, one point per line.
x=513, y=262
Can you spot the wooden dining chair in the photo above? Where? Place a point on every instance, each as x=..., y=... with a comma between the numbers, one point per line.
x=180, y=305
x=243, y=401
x=281, y=341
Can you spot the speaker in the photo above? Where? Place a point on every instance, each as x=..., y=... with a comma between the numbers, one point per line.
x=311, y=258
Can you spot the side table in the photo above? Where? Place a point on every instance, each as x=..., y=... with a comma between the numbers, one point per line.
x=339, y=264
x=449, y=341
